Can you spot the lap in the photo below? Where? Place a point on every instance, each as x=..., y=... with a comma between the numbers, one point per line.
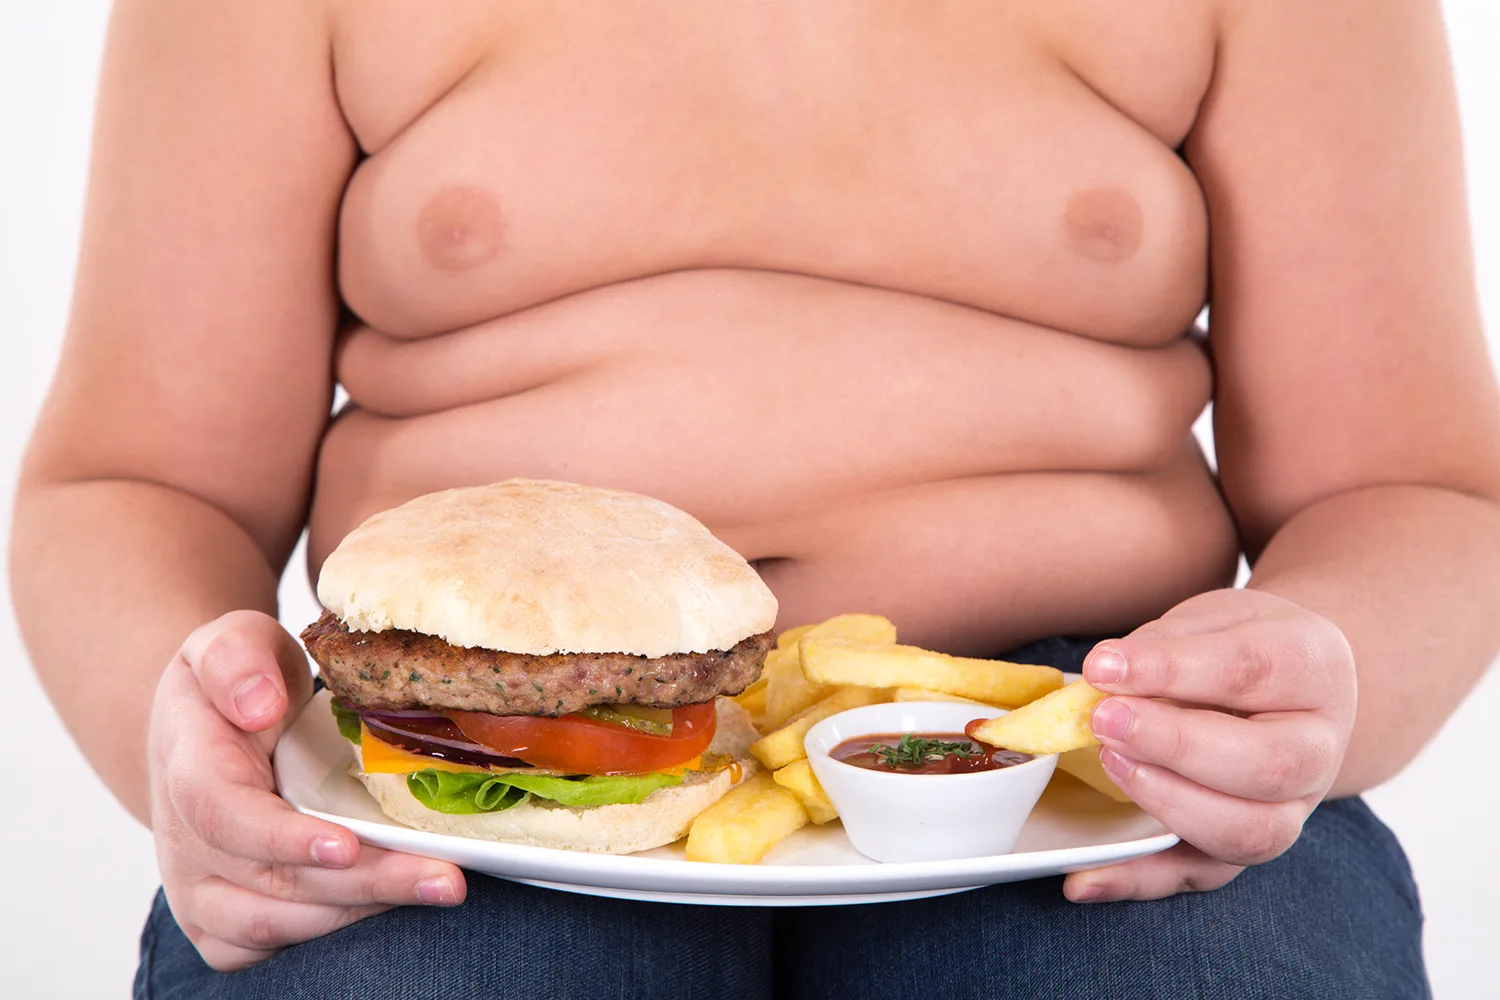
x=506, y=941
x=1335, y=917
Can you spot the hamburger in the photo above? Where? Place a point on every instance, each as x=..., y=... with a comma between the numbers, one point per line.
x=542, y=663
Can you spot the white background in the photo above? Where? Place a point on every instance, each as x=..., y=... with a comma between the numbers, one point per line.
x=79, y=872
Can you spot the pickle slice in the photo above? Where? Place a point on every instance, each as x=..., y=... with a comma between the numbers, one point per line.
x=655, y=721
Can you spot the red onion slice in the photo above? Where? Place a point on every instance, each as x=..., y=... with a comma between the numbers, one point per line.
x=435, y=736
x=412, y=713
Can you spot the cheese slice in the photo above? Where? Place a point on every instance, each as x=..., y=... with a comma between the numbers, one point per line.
x=379, y=757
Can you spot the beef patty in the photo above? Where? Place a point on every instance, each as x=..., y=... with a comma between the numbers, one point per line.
x=397, y=670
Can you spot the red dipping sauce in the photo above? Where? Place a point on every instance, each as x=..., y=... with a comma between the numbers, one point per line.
x=924, y=753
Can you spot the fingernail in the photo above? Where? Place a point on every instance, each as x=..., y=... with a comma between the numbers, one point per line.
x=331, y=852
x=1118, y=766
x=437, y=891
x=1105, y=666
x=256, y=698
x=1088, y=894
x=1112, y=719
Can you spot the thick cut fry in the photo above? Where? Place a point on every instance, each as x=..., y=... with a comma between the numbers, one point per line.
x=753, y=702
x=924, y=694
x=787, y=690
x=873, y=629
x=1054, y=724
x=1084, y=765
x=994, y=682
x=788, y=639
x=785, y=745
x=754, y=688
x=742, y=826
x=798, y=777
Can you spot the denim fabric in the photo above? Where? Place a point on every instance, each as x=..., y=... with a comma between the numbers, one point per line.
x=1335, y=918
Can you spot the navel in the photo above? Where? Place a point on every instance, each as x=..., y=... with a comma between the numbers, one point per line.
x=1104, y=224
x=460, y=228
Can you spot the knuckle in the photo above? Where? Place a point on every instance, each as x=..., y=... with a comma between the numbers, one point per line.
x=1251, y=670
x=1249, y=844
x=1295, y=768
x=280, y=881
x=1176, y=746
x=1322, y=756
x=1281, y=773
x=1261, y=839
x=368, y=890
x=1154, y=670
x=218, y=655
x=214, y=650
x=204, y=816
x=258, y=931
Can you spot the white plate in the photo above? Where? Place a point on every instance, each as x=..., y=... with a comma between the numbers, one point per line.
x=1071, y=829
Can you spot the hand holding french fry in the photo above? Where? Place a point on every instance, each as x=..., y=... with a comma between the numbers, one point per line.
x=1227, y=720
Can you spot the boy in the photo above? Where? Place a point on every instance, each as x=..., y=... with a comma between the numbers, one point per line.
x=893, y=297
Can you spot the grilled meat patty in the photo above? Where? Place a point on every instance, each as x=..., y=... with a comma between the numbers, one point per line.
x=397, y=670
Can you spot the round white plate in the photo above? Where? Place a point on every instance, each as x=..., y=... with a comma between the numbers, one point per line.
x=1071, y=829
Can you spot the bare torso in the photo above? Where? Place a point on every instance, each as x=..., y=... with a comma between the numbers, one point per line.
x=892, y=296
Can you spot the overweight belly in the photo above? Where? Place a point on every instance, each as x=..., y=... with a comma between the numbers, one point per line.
x=979, y=480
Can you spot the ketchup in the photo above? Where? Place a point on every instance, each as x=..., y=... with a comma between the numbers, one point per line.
x=924, y=753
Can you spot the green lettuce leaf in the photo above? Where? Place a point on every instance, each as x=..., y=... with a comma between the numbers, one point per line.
x=348, y=721
x=595, y=790
x=462, y=794
x=466, y=793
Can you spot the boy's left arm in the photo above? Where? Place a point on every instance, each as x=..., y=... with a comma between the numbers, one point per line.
x=1358, y=436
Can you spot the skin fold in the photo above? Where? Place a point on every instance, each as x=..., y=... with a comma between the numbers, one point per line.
x=897, y=298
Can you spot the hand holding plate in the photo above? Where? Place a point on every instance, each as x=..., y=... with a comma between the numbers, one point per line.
x=244, y=873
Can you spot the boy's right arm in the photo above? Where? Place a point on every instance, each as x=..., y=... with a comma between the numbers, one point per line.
x=170, y=472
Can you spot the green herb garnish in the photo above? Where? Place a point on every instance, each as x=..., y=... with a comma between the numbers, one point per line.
x=912, y=751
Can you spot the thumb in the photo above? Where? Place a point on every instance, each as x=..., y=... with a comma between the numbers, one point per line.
x=250, y=669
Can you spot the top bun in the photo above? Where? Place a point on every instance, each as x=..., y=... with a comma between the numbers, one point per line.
x=538, y=567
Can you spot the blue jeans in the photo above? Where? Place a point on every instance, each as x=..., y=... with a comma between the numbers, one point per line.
x=1335, y=917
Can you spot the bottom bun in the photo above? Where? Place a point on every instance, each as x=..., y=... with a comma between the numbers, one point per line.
x=661, y=818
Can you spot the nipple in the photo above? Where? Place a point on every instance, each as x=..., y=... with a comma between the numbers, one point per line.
x=1104, y=224
x=460, y=228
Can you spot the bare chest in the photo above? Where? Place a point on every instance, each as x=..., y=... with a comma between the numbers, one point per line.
x=1014, y=157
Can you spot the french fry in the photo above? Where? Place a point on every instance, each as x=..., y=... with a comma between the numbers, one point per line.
x=746, y=823
x=800, y=780
x=859, y=628
x=1084, y=765
x=1053, y=724
x=993, y=682
x=753, y=701
x=925, y=694
x=874, y=629
x=788, y=690
x=754, y=687
x=780, y=748
x=788, y=639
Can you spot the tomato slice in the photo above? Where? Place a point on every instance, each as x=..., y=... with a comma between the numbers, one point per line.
x=581, y=745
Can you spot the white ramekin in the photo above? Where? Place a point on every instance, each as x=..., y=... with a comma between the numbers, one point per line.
x=924, y=817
